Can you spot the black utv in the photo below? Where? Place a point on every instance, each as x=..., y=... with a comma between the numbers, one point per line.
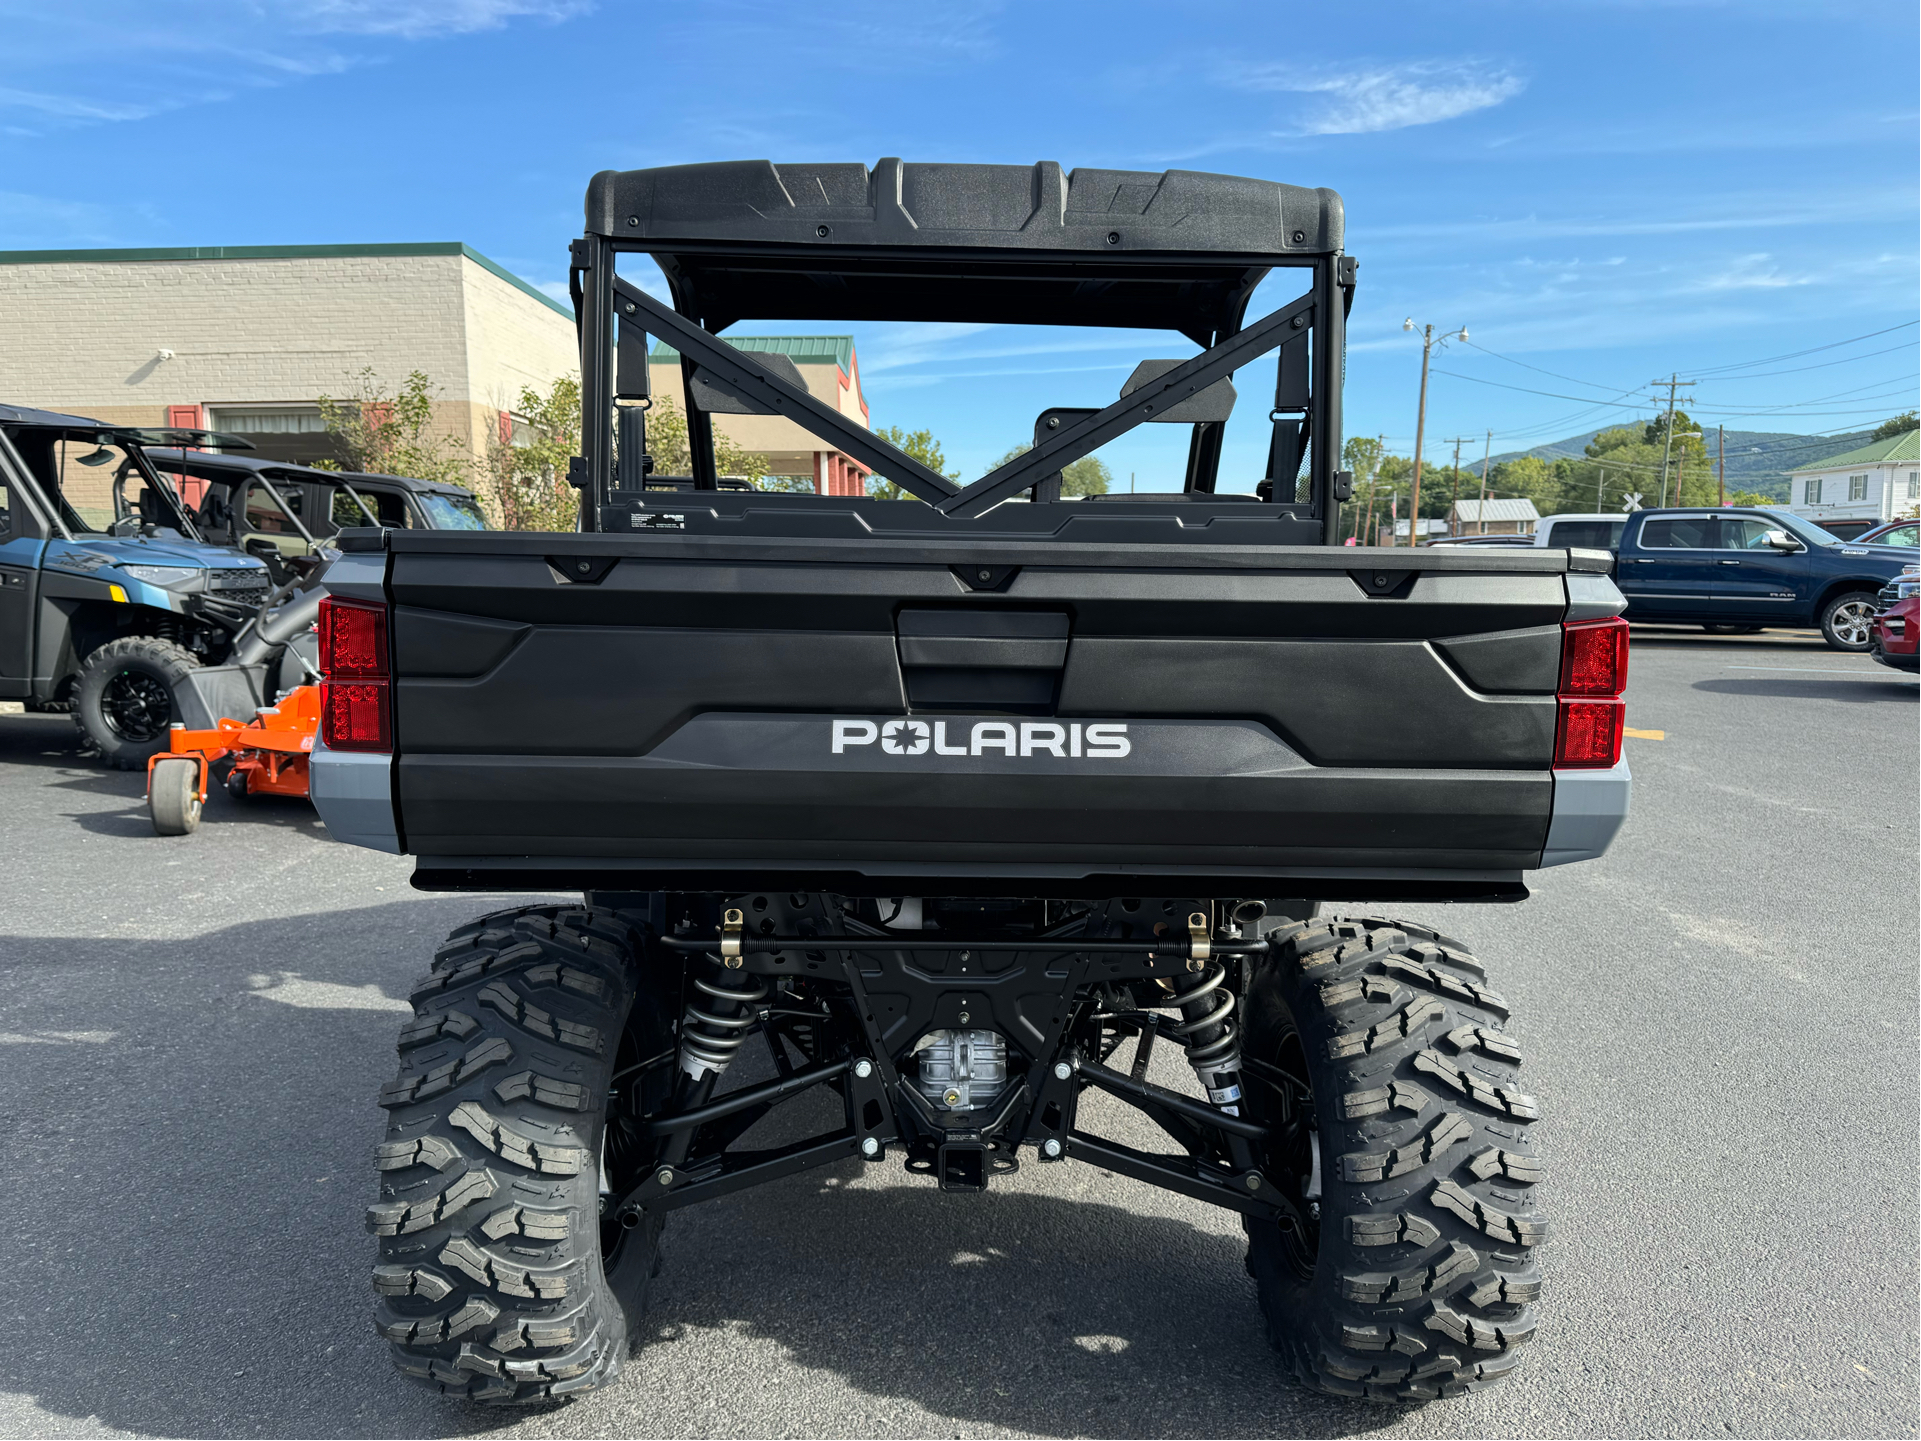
x=959, y=808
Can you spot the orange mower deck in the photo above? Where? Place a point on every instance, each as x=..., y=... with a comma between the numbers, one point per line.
x=270, y=751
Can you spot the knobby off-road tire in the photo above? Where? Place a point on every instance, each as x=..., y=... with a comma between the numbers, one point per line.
x=491, y=1277
x=1417, y=1279
x=123, y=700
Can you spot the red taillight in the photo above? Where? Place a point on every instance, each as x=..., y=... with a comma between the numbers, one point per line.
x=354, y=713
x=1594, y=657
x=353, y=716
x=1594, y=672
x=353, y=639
x=1590, y=734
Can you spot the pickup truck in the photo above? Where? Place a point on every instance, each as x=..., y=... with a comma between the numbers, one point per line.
x=1738, y=571
x=956, y=807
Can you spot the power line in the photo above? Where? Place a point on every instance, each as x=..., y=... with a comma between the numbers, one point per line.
x=1823, y=365
x=1797, y=354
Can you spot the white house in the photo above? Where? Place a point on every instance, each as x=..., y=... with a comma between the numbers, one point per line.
x=1492, y=517
x=1878, y=482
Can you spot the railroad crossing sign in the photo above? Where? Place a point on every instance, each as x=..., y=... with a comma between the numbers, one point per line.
x=1631, y=501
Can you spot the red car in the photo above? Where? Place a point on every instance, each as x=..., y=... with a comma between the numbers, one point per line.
x=1895, y=629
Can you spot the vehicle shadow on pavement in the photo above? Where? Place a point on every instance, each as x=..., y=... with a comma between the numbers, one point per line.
x=1035, y=1313
x=192, y=1130
x=1868, y=689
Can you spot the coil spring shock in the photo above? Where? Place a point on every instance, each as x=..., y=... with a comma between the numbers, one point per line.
x=1212, y=1039
x=709, y=1039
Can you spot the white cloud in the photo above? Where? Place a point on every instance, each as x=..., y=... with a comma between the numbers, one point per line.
x=1368, y=99
x=1752, y=272
x=69, y=107
x=424, y=19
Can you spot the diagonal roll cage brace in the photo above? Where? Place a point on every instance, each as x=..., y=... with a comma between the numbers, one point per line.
x=604, y=299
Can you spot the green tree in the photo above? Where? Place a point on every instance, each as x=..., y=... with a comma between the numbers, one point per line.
x=922, y=446
x=667, y=444
x=1087, y=476
x=392, y=434
x=1750, y=498
x=525, y=478
x=1899, y=425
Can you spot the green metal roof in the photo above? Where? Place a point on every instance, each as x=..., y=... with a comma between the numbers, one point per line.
x=281, y=252
x=801, y=349
x=1897, y=448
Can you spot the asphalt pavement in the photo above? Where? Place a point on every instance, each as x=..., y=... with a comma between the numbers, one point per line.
x=1720, y=1018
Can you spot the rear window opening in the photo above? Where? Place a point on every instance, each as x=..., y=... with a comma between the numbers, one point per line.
x=978, y=390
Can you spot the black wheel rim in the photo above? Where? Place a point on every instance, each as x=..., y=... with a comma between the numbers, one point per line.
x=1290, y=1155
x=135, y=706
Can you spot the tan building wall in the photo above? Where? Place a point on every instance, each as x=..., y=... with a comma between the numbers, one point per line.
x=85, y=331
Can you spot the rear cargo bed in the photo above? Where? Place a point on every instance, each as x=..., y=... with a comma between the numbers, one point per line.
x=658, y=709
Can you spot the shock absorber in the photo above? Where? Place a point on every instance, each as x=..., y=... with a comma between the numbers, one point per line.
x=1206, y=1029
x=713, y=1027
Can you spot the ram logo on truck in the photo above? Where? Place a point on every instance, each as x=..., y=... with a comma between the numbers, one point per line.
x=1103, y=741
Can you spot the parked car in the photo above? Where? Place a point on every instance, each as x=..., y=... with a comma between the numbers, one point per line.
x=109, y=592
x=1895, y=532
x=1495, y=540
x=1590, y=530
x=1728, y=570
x=1855, y=530
x=1896, y=626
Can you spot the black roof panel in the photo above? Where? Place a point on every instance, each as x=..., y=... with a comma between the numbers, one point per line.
x=1009, y=244
x=1017, y=207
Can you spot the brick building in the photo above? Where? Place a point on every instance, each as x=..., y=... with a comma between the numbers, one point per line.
x=246, y=339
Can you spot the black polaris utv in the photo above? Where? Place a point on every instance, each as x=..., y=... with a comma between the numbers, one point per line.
x=957, y=808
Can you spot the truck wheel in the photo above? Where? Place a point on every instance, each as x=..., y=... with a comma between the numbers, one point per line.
x=123, y=700
x=1377, y=1055
x=499, y=1281
x=173, y=797
x=1847, y=621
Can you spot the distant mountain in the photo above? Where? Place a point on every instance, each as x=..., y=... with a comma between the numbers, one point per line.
x=1758, y=460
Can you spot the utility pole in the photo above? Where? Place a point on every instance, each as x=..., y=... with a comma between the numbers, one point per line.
x=1420, y=425
x=1486, y=451
x=1457, y=443
x=1673, y=383
x=1721, y=451
x=1374, y=471
x=1600, y=486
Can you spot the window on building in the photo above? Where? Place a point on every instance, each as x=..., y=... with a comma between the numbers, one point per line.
x=1811, y=493
x=293, y=433
x=1914, y=485
x=1857, y=487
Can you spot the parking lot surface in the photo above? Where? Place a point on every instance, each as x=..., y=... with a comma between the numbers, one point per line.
x=1719, y=1018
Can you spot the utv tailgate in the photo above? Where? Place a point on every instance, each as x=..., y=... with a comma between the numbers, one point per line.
x=661, y=706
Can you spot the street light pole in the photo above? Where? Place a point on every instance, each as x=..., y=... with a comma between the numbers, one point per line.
x=1420, y=433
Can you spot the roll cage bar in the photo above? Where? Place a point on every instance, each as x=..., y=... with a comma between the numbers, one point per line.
x=616, y=319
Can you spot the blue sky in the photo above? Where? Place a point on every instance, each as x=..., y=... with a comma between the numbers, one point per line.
x=1601, y=192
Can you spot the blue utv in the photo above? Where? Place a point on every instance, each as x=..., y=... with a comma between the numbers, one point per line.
x=111, y=598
